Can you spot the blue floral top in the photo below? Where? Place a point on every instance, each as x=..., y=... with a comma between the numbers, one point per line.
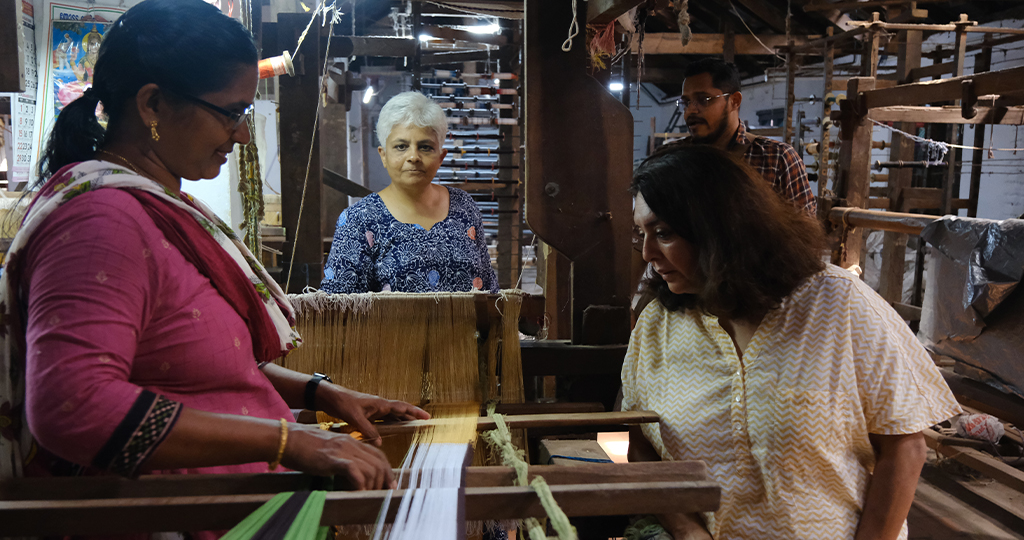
x=372, y=251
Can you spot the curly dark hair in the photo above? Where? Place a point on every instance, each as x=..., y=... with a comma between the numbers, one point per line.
x=724, y=75
x=753, y=248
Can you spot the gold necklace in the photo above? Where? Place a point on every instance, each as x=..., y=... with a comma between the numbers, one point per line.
x=126, y=162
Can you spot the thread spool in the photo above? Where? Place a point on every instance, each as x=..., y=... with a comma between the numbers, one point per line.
x=278, y=65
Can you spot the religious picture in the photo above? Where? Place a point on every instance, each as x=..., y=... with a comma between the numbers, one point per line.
x=68, y=39
x=75, y=47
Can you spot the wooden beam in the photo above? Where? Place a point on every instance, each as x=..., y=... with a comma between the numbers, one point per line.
x=1011, y=116
x=439, y=58
x=952, y=27
x=951, y=182
x=299, y=99
x=839, y=85
x=933, y=71
x=125, y=516
x=601, y=419
x=339, y=183
x=745, y=44
x=792, y=63
x=1005, y=81
x=815, y=45
x=182, y=485
x=822, y=159
x=880, y=221
x=894, y=245
x=395, y=47
x=854, y=180
x=606, y=11
x=988, y=465
x=850, y=6
x=982, y=63
x=729, y=41
x=659, y=75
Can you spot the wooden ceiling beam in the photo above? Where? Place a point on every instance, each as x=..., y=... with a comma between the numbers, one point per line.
x=1011, y=116
x=746, y=44
x=851, y=6
x=656, y=75
x=1006, y=81
x=606, y=11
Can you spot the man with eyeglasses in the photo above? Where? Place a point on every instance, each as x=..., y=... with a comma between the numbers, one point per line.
x=711, y=104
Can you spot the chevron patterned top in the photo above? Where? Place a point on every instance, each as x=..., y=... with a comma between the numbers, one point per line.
x=784, y=429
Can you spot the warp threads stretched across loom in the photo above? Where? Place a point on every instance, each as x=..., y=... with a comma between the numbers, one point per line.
x=420, y=348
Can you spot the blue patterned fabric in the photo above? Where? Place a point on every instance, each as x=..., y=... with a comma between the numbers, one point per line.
x=373, y=252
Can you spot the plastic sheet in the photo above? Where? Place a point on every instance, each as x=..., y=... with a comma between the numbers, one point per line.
x=993, y=251
x=973, y=307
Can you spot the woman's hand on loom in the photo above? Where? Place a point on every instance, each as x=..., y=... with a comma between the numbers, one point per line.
x=360, y=410
x=312, y=450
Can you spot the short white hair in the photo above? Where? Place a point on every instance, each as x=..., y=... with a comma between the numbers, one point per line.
x=411, y=108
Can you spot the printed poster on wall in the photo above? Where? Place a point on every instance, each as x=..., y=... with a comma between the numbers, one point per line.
x=68, y=42
x=68, y=45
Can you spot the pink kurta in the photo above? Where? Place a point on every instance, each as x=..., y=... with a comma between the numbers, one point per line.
x=114, y=311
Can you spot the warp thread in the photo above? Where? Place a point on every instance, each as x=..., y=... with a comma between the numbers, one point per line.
x=419, y=348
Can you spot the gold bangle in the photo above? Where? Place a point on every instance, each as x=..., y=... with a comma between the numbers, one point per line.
x=280, y=450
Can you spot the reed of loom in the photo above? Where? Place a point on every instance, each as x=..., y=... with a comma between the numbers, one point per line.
x=420, y=348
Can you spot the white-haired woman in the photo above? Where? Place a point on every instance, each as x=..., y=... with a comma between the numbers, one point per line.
x=414, y=235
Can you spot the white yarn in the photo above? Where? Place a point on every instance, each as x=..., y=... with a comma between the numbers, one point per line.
x=430, y=507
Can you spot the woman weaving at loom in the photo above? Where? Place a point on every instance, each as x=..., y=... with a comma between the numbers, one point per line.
x=413, y=236
x=801, y=388
x=141, y=328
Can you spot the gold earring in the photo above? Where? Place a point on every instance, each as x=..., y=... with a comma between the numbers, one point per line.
x=152, y=131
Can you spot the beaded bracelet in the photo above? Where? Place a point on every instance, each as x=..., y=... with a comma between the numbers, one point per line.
x=280, y=451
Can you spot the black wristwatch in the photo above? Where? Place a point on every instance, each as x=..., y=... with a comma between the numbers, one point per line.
x=311, y=389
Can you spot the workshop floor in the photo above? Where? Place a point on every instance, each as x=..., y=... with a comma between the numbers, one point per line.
x=954, y=503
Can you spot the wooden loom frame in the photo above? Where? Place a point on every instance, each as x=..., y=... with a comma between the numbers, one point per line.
x=113, y=505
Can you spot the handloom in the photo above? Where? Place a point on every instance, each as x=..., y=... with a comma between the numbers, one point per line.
x=419, y=348
x=114, y=505
x=424, y=349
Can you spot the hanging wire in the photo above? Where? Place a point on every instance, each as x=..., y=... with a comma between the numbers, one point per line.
x=767, y=48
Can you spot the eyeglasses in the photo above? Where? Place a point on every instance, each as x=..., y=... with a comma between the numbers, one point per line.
x=237, y=118
x=700, y=102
